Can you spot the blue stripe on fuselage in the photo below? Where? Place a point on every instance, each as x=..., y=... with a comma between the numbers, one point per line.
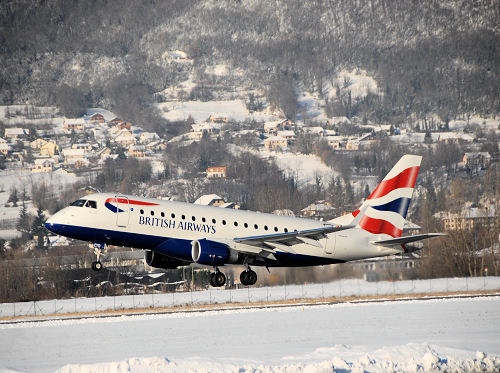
x=113, y=207
x=173, y=247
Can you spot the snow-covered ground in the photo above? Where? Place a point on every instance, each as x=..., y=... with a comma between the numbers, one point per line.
x=56, y=182
x=303, y=167
x=459, y=335
x=201, y=111
x=487, y=123
x=341, y=288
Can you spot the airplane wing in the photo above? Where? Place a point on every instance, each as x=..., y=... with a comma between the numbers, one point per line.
x=291, y=238
x=406, y=239
x=265, y=245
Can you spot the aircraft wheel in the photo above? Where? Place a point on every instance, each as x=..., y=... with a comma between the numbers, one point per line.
x=212, y=283
x=219, y=279
x=248, y=278
x=252, y=277
x=244, y=278
x=96, y=266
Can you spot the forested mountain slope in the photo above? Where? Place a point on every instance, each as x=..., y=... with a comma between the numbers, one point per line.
x=428, y=56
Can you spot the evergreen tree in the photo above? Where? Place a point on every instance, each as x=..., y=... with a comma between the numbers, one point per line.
x=349, y=194
x=13, y=196
x=367, y=191
x=2, y=248
x=23, y=222
x=38, y=228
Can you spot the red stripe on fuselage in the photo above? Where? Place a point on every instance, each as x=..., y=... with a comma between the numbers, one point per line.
x=131, y=202
x=405, y=179
x=377, y=226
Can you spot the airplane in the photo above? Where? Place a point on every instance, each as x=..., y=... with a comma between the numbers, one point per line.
x=176, y=234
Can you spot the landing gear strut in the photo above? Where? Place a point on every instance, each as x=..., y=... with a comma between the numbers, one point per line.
x=99, y=250
x=217, y=278
x=248, y=277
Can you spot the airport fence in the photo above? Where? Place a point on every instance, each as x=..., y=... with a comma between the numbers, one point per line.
x=336, y=289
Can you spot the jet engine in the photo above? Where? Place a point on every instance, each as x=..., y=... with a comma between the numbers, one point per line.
x=212, y=253
x=157, y=260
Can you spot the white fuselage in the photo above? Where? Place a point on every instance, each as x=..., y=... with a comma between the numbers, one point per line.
x=146, y=223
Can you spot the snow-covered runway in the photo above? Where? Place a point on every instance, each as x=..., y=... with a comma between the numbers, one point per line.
x=397, y=336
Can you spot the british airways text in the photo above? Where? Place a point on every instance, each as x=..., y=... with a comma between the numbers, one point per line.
x=172, y=224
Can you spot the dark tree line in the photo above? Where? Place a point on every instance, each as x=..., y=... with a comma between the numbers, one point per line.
x=426, y=56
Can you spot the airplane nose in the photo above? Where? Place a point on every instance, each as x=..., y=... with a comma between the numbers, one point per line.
x=53, y=223
x=49, y=224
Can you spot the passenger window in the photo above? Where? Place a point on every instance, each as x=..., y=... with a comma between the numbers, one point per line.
x=173, y=216
x=203, y=220
x=265, y=227
x=286, y=230
x=214, y=221
x=183, y=217
x=235, y=223
x=223, y=222
x=79, y=202
x=256, y=226
x=142, y=211
x=162, y=214
x=246, y=225
x=275, y=229
x=193, y=218
x=152, y=213
x=91, y=204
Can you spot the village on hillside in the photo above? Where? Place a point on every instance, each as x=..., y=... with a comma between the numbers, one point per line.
x=78, y=149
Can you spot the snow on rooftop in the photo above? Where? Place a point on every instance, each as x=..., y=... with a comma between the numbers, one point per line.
x=318, y=207
x=286, y=133
x=108, y=115
x=206, y=199
x=272, y=124
x=174, y=55
x=408, y=138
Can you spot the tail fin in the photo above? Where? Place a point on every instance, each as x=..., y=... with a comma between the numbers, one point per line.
x=384, y=211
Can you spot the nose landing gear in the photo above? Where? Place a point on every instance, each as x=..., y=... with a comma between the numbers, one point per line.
x=96, y=266
x=99, y=250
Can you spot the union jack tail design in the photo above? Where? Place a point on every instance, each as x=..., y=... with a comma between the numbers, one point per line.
x=385, y=209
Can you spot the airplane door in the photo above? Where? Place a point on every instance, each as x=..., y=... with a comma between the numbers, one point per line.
x=330, y=244
x=123, y=213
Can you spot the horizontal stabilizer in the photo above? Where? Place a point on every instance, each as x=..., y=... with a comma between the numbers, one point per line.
x=407, y=239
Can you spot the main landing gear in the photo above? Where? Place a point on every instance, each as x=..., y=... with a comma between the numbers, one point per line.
x=248, y=277
x=217, y=278
x=99, y=250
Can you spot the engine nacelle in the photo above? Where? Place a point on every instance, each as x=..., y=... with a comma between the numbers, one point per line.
x=154, y=259
x=212, y=253
x=412, y=247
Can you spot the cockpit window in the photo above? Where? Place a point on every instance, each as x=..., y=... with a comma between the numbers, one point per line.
x=79, y=202
x=91, y=204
